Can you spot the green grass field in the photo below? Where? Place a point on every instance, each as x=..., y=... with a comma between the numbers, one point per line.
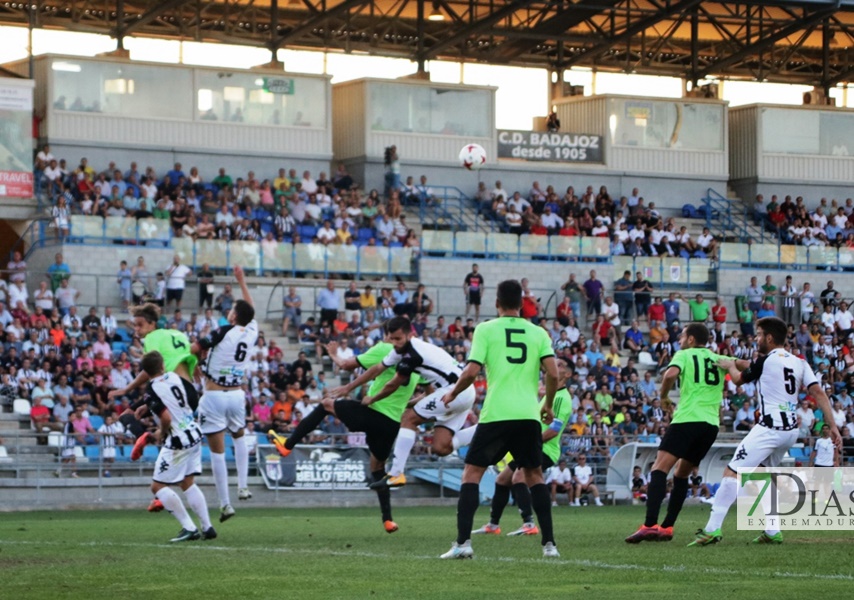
x=344, y=553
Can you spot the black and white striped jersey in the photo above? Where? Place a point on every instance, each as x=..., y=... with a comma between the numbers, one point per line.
x=431, y=362
x=779, y=377
x=167, y=393
x=229, y=352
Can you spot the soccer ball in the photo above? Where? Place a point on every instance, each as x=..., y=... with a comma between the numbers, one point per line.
x=472, y=157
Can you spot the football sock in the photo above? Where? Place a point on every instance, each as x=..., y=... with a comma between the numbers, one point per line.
x=172, y=502
x=220, y=473
x=196, y=500
x=383, y=495
x=241, y=457
x=402, y=448
x=725, y=496
x=542, y=502
x=765, y=503
x=677, y=499
x=523, y=502
x=655, y=496
x=306, y=426
x=466, y=507
x=463, y=437
x=499, y=501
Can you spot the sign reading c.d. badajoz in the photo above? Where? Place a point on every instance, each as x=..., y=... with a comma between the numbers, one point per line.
x=554, y=147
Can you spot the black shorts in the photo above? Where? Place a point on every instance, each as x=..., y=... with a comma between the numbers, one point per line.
x=380, y=431
x=547, y=463
x=474, y=298
x=174, y=295
x=522, y=438
x=690, y=441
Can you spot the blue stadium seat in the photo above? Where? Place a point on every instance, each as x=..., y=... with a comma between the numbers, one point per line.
x=123, y=453
x=206, y=453
x=365, y=233
x=700, y=254
x=119, y=347
x=684, y=253
x=150, y=453
x=689, y=211
x=307, y=232
x=124, y=335
x=266, y=227
x=96, y=421
x=395, y=244
x=92, y=452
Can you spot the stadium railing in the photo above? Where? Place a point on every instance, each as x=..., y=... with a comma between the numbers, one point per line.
x=783, y=256
x=287, y=258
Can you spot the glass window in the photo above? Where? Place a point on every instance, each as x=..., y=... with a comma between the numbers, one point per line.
x=790, y=131
x=666, y=124
x=422, y=109
x=124, y=89
x=260, y=99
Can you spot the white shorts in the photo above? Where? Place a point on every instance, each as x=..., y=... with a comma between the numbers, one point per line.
x=220, y=410
x=763, y=446
x=109, y=452
x=451, y=417
x=173, y=466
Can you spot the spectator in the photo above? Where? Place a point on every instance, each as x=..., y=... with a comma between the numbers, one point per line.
x=719, y=311
x=755, y=295
x=176, y=281
x=329, y=303
x=642, y=289
x=699, y=308
x=225, y=301
x=573, y=291
x=57, y=272
x=291, y=310
x=583, y=480
x=593, y=290
x=807, y=299
x=789, y=294
x=671, y=308
x=66, y=297
x=473, y=291
x=206, y=286
x=624, y=296
x=744, y=419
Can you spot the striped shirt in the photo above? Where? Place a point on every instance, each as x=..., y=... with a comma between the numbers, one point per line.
x=167, y=393
x=779, y=377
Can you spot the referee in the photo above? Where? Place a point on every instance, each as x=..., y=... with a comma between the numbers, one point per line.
x=513, y=350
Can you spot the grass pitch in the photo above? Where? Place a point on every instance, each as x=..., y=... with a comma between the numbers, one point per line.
x=344, y=553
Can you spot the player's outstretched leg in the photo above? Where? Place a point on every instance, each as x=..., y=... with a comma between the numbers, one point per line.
x=463, y=437
x=305, y=427
x=220, y=473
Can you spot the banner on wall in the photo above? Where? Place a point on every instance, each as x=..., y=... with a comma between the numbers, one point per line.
x=546, y=146
x=315, y=467
x=16, y=138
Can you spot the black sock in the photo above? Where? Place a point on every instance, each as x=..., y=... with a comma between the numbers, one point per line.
x=383, y=495
x=655, y=496
x=306, y=426
x=677, y=499
x=466, y=507
x=499, y=502
x=541, y=500
x=523, y=502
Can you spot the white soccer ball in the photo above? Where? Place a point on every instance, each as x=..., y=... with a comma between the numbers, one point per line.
x=472, y=157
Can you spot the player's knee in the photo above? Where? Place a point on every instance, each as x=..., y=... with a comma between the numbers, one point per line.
x=442, y=448
x=329, y=405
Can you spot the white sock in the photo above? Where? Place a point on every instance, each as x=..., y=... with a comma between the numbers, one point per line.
x=241, y=455
x=463, y=437
x=765, y=503
x=402, y=448
x=197, y=502
x=172, y=502
x=220, y=473
x=726, y=495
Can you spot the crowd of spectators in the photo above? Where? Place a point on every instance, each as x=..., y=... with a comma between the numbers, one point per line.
x=633, y=226
x=828, y=224
x=289, y=207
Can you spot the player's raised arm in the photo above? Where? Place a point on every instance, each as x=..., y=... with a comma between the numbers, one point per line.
x=362, y=379
x=467, y=378
x=350, y=364
x=140, y=381
x=389, y=388
x=240, y=276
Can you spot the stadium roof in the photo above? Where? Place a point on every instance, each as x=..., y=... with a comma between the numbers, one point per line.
x=802, y=41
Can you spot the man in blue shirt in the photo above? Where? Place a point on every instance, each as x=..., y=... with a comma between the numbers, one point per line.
x=671, y=308
x=402, y=305
x=328, y=303
x=57, y=272
x=175, y=174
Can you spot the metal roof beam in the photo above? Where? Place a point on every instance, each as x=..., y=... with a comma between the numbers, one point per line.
x=158, y=10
